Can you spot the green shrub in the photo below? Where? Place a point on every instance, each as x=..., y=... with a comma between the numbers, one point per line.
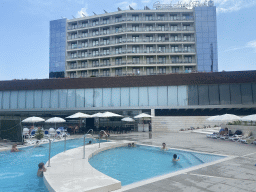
x=39, y=134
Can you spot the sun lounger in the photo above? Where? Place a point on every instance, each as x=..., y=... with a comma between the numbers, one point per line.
x=249, y=140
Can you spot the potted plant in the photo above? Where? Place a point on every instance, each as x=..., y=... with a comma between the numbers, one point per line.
x=39, y=134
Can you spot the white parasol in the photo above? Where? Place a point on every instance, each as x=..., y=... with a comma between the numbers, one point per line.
x=55, y=120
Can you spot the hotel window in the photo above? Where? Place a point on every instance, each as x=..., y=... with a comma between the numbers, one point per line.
x=118, y=72
x=84, y=54
x=161, y=27
x=161, y=49
x=162, y=70
x=150, y=60
x=73, y=36
x=84, y=64
x=162, y=59
x=106, y=72
x=149, y=17
x=83, y=73
x=95, y=22
x=175, y=49
x=73, y=65
x=95, y=43
x=106, y=21
x=118, y=50
x=73, y=55
x=84, y=34
x=106, y=62
x=96, y=32
x=135, y=27
x=95, y=63
x=149, y=27
x=73, y=75
x=186, y=38
x=95, y=53
x=95, y=72
x=186, y=27
x=119, y=40
x=84, y=24
x=74, y=26
x=173, y=17
x=135, y=49
x=105, y=51
x=135, y=17
x=160, y=17
x=118, y=61
x=135, y=38
x=161, y=38
x=188, y=59
x=175, y=59
x=188, y=69
x=73, y=46
x=135, y=60
x=118, y=19
x=105, y=31
x=150, y=71
x=175, y=69
x=105, y=41
x=136, y=71
x=187, y=48
x=149, y=49
x=149, y=38
x=174, y=27
x=84, y=44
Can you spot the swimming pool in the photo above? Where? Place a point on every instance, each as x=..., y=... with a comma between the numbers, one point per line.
x=18, y=170
x=133, y=164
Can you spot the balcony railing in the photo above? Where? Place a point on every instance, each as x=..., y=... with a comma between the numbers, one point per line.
x=110, y=32
x=130, y=19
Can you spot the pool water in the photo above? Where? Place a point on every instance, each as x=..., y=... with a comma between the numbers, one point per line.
x=133, y=164
x=18, y=170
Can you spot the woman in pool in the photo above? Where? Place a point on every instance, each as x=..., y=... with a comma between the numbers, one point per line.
x=41, y=170
x=175, y=158
x=164, y=146
x=14, y=148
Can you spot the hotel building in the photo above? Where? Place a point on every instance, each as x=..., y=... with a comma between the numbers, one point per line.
x=172, y=38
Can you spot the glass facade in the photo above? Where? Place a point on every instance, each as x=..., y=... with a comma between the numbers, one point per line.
x=206, y=39
x=57, y=46
x=223, y=94
x=127, y=97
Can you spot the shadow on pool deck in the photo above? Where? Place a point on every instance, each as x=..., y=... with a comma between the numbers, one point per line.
x=237, y=174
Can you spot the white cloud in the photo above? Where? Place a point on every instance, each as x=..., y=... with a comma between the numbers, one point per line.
x=125, y=5
x=82, y=12
x=249, y=45
x=145, y=1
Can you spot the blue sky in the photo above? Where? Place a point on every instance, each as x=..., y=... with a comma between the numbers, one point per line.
x=24, y=44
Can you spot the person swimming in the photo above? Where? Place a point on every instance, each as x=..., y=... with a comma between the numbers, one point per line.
x=164, y=146
x=41, y=170
x=14, y=148
x=175, y=158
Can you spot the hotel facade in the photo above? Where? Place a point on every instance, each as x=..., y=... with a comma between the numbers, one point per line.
x=179, y=38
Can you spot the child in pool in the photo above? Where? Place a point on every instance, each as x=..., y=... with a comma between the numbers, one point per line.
x=14, y=148
x=164, y=146
x=41, y=170
x=175, y=158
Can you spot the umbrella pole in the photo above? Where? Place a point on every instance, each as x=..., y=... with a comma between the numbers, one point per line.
x=143, y=125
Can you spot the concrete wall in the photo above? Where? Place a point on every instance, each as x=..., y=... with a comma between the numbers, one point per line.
x=243, y=128
x=175, y=123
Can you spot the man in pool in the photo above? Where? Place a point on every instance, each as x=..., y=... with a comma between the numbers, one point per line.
x=14, y=148
x=175, y=158
x=164, y=146
x=41, y=170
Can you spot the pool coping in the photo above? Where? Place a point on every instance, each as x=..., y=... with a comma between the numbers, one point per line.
x=69, y=172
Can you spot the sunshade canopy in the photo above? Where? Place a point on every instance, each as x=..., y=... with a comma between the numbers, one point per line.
x=55, y=120
x=33, y=120
x=128, y=119
x=249, y=118
x=143, y=115
x=79, y=115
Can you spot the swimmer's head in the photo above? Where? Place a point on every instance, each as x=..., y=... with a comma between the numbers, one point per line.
x=175, y=156
x=41, y=165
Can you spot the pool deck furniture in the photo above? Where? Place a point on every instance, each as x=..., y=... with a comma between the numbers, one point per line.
x=68, y=170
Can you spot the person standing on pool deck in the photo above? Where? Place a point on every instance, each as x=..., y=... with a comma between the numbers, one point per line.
x=175, y=158
x=164, y=146
x=41, y=170
x=14, y=148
